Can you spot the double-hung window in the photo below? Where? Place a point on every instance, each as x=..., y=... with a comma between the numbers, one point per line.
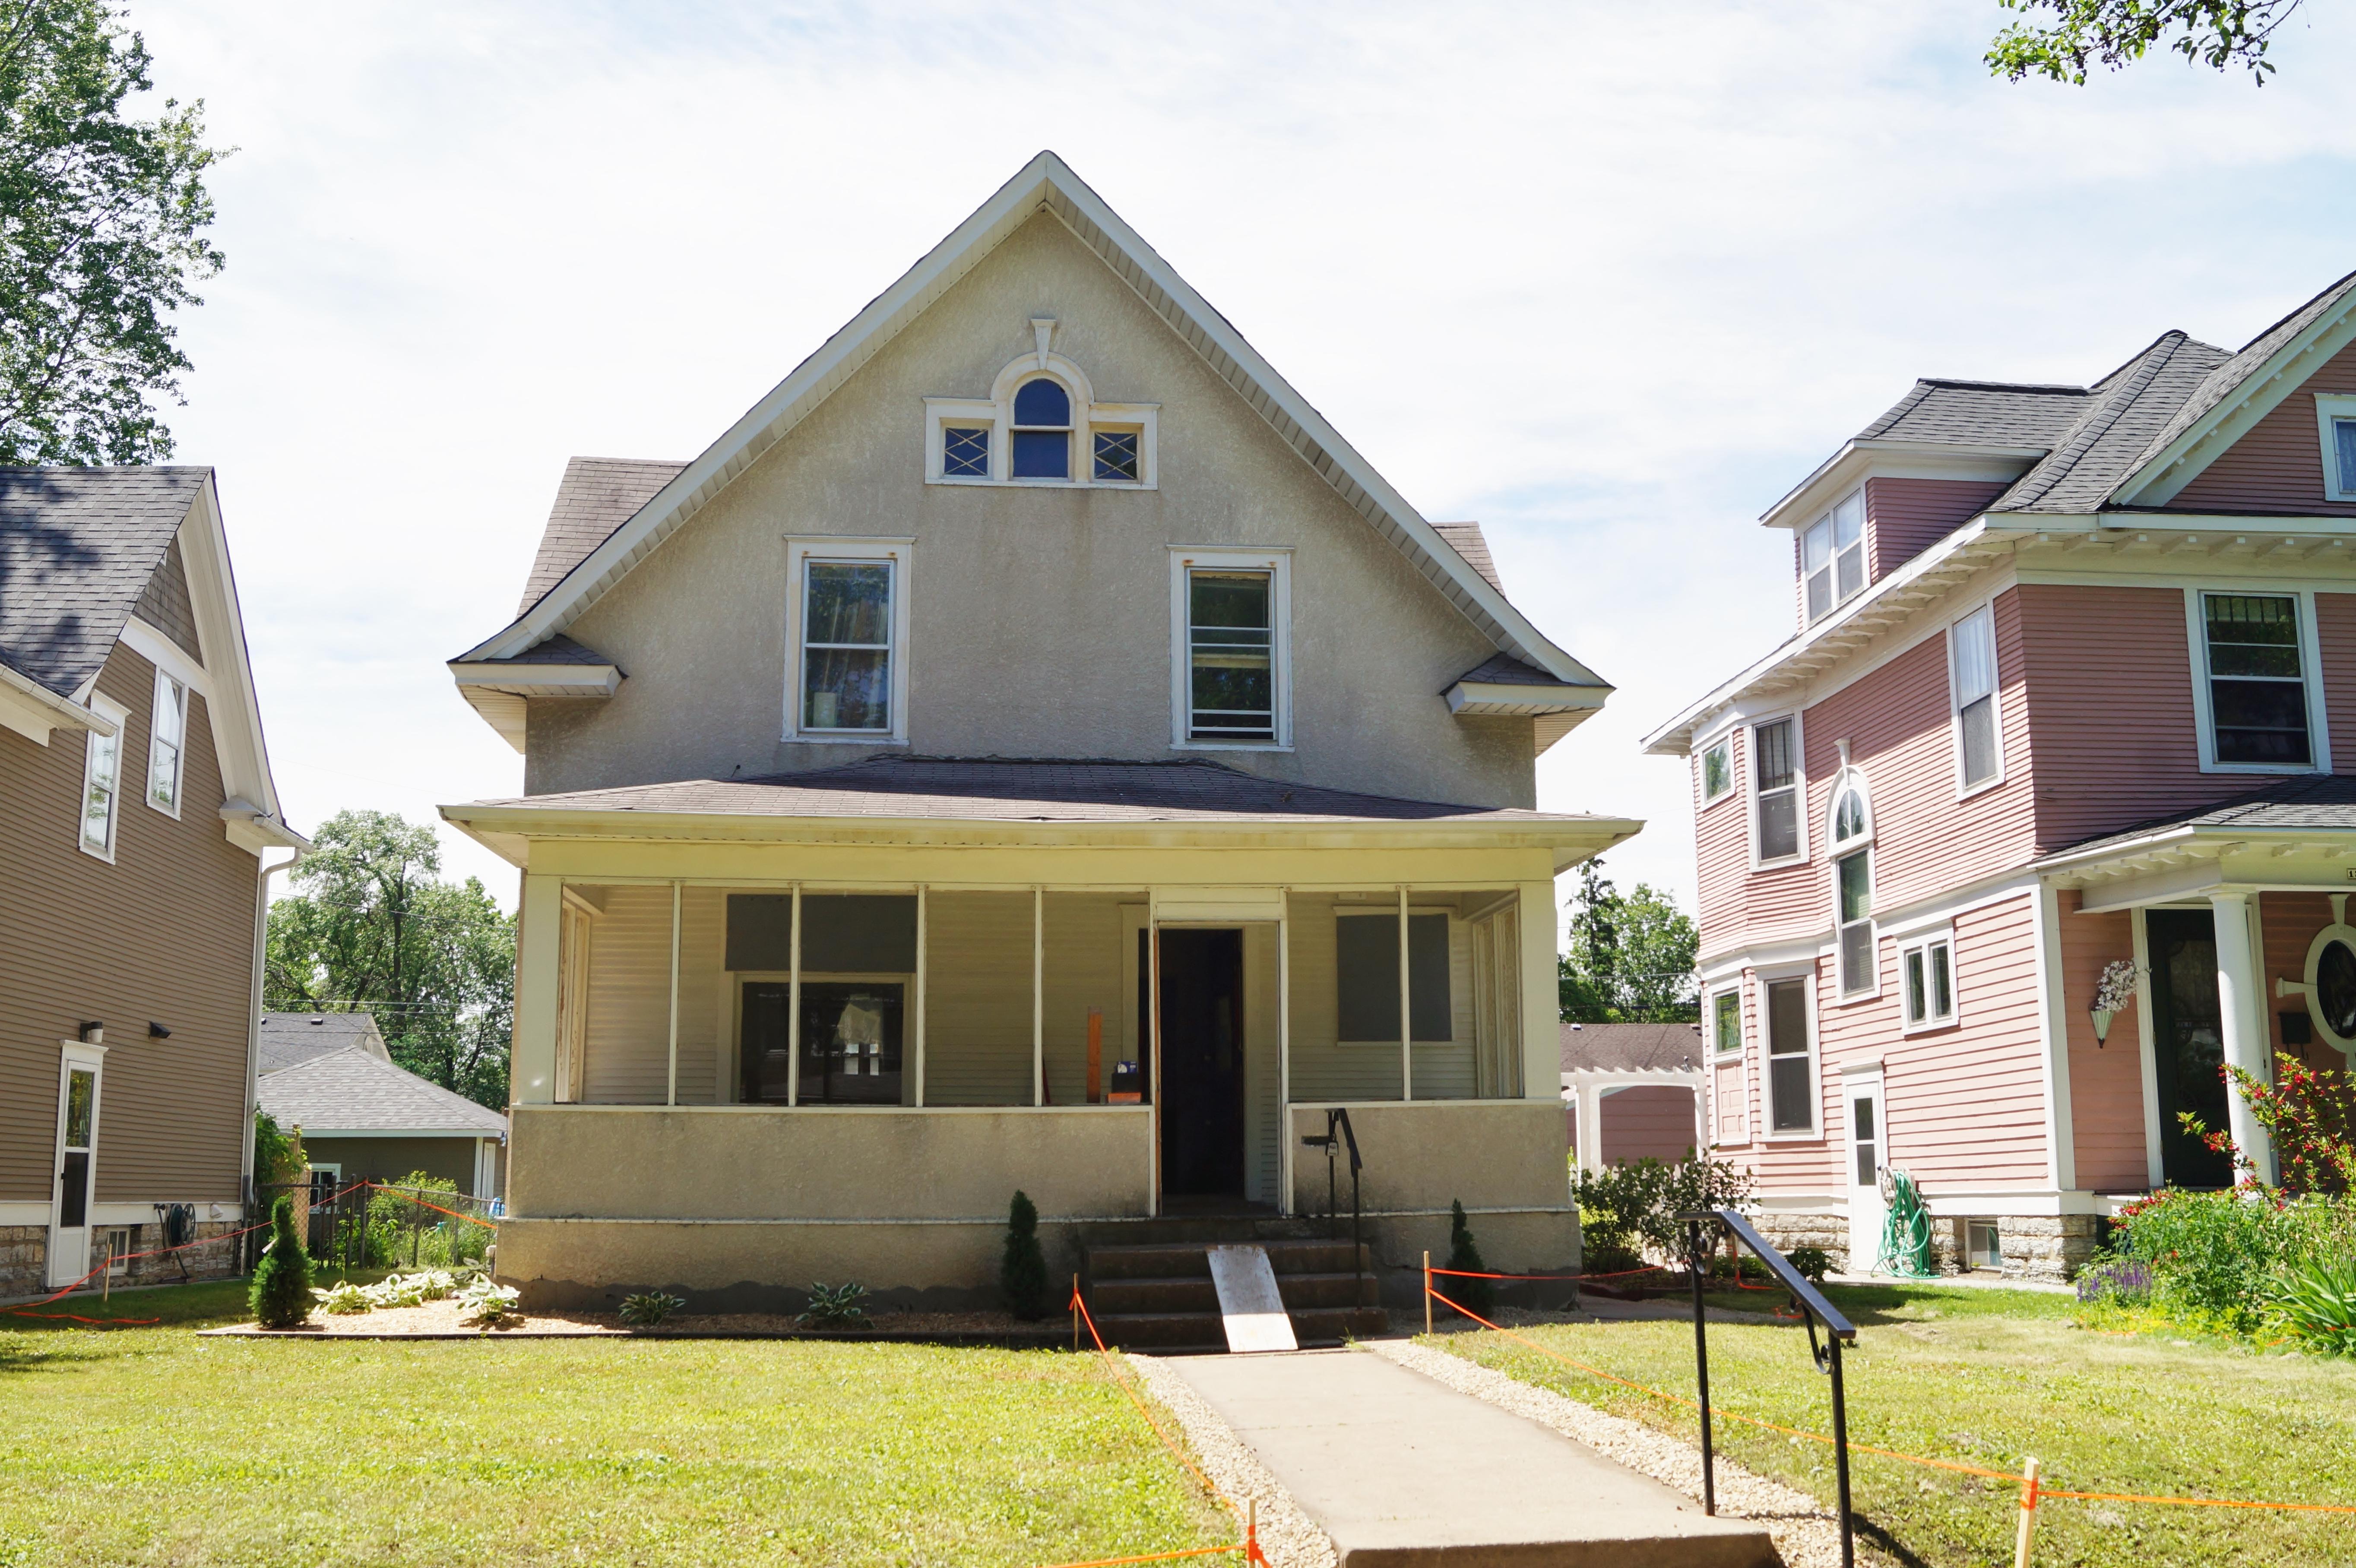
x=168, y=736
x=1718, y=770
x=2256, y=680
x=1791, y=1061
x=101, y=781
x=1043, y=431
x=849, y=621
x=1971, y=665
x=1230, y=621
x=1775, y=763
x=1928, y=967
x=1832, y=556
x=1852, y=849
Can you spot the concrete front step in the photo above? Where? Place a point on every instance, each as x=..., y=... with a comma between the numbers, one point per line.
x=1179, y=1260
x=1298, y=1291
x=1206, y=1331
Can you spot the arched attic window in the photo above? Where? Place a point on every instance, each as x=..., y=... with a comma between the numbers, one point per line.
x=1043, y=430
x=1851, y=835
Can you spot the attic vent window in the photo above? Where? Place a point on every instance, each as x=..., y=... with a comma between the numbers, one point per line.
x=1043, y=431
x=965, y=450
x=1117, y=454
x=1040, y=423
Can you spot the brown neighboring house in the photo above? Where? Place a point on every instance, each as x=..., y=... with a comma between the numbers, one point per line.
x=140, y=809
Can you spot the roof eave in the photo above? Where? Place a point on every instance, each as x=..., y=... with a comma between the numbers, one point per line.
x=1801, y=504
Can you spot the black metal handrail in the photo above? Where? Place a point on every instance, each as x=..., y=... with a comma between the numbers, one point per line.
x=1814, y=1308
x=1337, y=1117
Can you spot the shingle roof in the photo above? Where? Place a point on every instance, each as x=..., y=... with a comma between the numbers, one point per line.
x=291, y=1038
x=350, y=1091
x=1630, y=1048
x=596, y=496
x=558, y=649
x=2233, y=371
x=2326, y=803
x=1980, y=413
x=994, y=790
x=2129, y=407
x=77, y=548
x=1468, y=541
x=1505, y=669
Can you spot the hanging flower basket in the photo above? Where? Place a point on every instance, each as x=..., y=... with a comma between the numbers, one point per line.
x=2112, y=992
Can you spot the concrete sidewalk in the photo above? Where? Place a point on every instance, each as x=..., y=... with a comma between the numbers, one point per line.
x=1403, y=1472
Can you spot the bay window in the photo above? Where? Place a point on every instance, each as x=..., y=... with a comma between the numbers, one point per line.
x=1791, y=1060
x=1774, y=752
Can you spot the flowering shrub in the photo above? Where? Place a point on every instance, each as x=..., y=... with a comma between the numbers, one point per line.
x=2117, y=987
x=2126, y=1282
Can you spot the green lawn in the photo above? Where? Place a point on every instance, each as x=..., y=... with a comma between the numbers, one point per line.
x=151, y=1446
x=1987, y=1377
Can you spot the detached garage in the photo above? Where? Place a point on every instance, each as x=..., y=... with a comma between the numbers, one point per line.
x=1631, y=1091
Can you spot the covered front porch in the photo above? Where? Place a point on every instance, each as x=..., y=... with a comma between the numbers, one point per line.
x=753, y=1052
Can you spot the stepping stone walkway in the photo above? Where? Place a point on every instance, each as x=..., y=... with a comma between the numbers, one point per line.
x=1404, y=1472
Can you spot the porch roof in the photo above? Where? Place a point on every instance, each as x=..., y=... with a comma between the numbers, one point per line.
x=2322, y=802
x=1017, y=793
x=2287, y=833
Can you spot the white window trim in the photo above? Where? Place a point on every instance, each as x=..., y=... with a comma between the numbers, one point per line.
x=997, y=412
x=122, y=717
x=1701, y=767
x=165, y=679
x=1275, y=559
x=1811, y=984
x=800, y=552
x=1832, y=562
x=1922, y=942
x=1799, y=785
x=2310, y=665
x=1717, y=1054
x=1955, y=708
x=1836, y=851
x=1392, y=1044
x=2330, y=406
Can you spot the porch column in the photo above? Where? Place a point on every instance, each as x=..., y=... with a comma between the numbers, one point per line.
x=533, y=1078
x=671, y=1074
x=2245, y=1038
x=1284, y=1051
x=1540, y=1013
x=1406, y=1022
x=1591, y=1127
x=920, y=994
x=794, y=1003
x=1038, y=994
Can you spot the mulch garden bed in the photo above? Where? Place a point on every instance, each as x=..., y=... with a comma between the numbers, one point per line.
x=440, y=1320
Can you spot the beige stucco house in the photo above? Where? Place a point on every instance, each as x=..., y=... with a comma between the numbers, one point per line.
x=1002, y=760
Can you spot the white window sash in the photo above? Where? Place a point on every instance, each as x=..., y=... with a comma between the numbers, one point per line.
x=892, y=553
x=101, y=782
x=168, y=744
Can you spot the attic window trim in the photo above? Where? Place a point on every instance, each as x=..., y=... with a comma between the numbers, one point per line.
x=2335, y=419
x=1090, y=420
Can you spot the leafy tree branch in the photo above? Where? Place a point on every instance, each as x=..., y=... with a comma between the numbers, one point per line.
x=2219, y=33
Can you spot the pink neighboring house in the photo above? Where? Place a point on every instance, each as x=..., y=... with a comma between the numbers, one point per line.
x=2069, y=669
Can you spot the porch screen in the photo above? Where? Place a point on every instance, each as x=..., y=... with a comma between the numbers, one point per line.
x=1366, y=970
x=852, y=934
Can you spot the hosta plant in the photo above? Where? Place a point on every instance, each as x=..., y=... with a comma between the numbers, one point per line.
x=644, y=1311
x=834, y=1307
x=483, y=1302
x=343, y=1298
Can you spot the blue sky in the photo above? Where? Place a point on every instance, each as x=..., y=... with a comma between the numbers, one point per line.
x=1608, y=279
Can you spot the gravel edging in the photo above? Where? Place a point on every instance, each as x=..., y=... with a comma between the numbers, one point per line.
x=1805, y=1533
x=1286, y=1534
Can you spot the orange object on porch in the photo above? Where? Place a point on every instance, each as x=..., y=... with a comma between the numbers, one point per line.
x=1096, y=1056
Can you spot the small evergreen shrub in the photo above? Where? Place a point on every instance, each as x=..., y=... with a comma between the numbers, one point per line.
x=646, y=1310
x=1023, y=1271
x=281, y=1292
x=1811, y=1262
x=1464, y=1255
x=834, y=1307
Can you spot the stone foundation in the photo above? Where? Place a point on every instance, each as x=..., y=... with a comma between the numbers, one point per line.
x=1786, y=1229
x=2047, y=1247
x=25, y=1252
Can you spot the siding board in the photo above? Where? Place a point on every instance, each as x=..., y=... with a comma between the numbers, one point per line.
x=1904, y=517
x=2277, y=465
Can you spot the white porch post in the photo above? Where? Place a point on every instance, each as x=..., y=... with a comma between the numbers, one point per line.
x=1153, y=1064
x=1591, y=1127
x=920, y=994
x=2245, y=1038
x=1541, y=1004
x=1407, y=1025
x=1284, y=1050
x=794, y=1002
x=1038, y=994
x=534, y=1080
x=670, y=1074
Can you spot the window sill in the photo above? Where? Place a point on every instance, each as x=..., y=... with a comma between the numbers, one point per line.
x=1809, y=1137
x=1965, y=792
x=839, y=738
x=2309, y=771
x=1853, y=999
x=1785, y=864
x=1230, y=745
x=171, y=811
x=1719, y=799
x=1391, y=1044
x=971, y=481
x=1931, y=1026
x=107, y=855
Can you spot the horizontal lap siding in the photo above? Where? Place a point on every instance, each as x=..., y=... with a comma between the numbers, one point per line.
x=977, y=999
x=1967, y=1106
x=2277, y=465
x=164, y=933
x=1648, y=1122
x=2107, y=1108
x=2290, y=922
x=2335, y=625
x=1904, y=517
x=1084, y=971
x=2110, y=710
x=627, y=1045
x=1723, y=850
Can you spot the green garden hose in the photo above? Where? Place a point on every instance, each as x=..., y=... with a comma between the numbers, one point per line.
x=1905, y=1231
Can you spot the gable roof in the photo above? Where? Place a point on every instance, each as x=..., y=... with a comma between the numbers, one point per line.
x=352, y=1090
x=1979, y=414
x=596, y=496
x=1044, y=183
x=78, y=546
x=290, y=1039
x=2129, y=408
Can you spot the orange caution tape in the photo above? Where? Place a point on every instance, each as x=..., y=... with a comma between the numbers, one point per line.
x=399, y=1192
x=2043, y=1492
x=1623, y=1274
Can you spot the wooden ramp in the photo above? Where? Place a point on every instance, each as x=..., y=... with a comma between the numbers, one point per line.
x=1250, y=1309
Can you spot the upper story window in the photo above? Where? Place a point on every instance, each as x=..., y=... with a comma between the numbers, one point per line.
x=1971, y=667
x=1775, y=764
x=1726, y=1022
x=101, y=781
x=1230, y=620
x=1852, y=849
x=1832, y=556
x=849, y=621
x=167, y=737
x=2257, y=681
x=1041, y=425
x=1718, y=769
x=1043, y=431
x=2336, y=416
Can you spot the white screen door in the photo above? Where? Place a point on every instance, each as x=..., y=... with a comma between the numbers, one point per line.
x=1866, y=1137
x=77, y=1155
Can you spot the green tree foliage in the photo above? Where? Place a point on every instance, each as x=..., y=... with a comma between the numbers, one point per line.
x=1023, y=1271
x=1464, y=1256
x=1631, y=956
x=279, y=1159
x=280, y=1293
x=371, y=927
x=2221, y=34
x=102, y=220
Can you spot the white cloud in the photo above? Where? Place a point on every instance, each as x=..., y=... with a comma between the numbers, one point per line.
x=1610, y=278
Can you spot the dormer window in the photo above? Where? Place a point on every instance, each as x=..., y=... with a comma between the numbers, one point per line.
x=1043, y=431
x=1832, y=557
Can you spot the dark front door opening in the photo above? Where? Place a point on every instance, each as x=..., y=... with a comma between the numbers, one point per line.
x=2187, y=1043
x=851, y=1042
x=1203, y=1063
